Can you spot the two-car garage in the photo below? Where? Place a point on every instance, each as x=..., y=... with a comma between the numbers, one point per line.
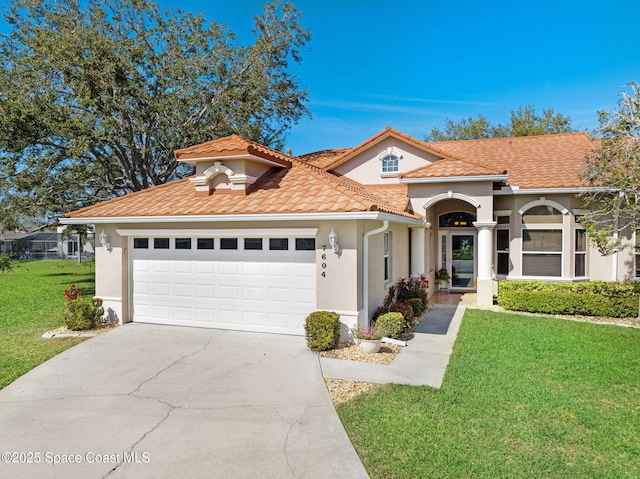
x=251, y=280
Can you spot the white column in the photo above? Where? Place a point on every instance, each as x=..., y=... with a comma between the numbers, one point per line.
x=485, y=262
x=417, y=251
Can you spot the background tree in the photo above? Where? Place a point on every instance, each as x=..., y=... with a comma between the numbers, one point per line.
x=523, y=122
x=613, y=170
x=96, y=95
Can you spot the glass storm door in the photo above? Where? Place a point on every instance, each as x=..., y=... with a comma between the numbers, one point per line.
x=463, y=253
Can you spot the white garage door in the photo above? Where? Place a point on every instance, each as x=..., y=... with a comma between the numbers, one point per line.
x=250, y=283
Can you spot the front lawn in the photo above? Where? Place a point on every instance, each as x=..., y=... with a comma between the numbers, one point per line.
x=31, y=303
x=523, y=396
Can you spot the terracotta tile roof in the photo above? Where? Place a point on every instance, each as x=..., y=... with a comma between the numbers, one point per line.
x=233, y=145
x=300, y=189
x=548, y=161
x=322, y=158
x=450, y=168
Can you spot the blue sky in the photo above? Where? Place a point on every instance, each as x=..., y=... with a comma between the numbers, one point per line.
x=411, y=64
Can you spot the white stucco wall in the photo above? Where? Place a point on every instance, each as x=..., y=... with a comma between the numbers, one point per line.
x=366, y=167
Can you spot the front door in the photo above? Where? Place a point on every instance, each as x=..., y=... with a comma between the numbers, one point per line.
x=463, y=261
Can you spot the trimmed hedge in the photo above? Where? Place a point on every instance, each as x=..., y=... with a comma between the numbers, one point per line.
x=592, y=298
x=322, y=330
x=392, y=324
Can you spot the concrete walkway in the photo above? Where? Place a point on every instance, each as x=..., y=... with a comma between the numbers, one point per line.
x=422, y=363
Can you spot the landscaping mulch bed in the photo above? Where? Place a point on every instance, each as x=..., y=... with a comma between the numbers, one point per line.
x=343, y=390
x=100, y=328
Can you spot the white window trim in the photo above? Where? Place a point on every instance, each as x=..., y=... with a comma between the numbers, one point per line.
x=544, y=226
x=551, y=226
x=581, y=253
x=498, y=251
x=391, y=151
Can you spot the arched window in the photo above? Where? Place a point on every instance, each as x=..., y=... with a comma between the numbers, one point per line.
x=390, y=164
x=545, y=214
x=457, y=219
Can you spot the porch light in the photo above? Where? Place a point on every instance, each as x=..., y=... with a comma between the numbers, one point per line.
x=104, y=240
x=333, y=241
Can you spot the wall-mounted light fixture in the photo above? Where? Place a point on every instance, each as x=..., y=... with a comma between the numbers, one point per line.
x=333, y=241
x=104, y=240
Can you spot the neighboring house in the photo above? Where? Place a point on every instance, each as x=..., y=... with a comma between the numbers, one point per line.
x=42, y=245
x=246, y=243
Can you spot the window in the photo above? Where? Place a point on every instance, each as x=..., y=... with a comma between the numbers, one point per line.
x=457, y=219
x=502, y=247
x=390, y=164
x=542, y=252
x=305, y=244
x=386, y=257
x=253, y=243
x=278, y=244
x=503, y=220
x=580, y=268
x=542, y=215
x=160, y=243
x=205, y=243
x=72, y=246
x=228, y=243
x=141, y=243
x=183, y=243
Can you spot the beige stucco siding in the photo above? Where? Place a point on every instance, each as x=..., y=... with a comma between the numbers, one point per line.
x=366, y=167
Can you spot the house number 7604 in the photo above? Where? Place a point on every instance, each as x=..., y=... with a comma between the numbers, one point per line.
x=324, y=265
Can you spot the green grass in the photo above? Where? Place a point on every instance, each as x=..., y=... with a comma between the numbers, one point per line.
x=31, y=303
x=523, y=396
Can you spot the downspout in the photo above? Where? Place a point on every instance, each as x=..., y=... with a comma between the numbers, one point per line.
x=365, y=267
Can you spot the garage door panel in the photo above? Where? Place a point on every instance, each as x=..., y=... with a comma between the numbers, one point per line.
x=229, y=292
x=183, y=290
x=184, y=314
x=253, y=293
x=161, y=266
x=205, y=291
x=270, y=291
x=161, y=289
x=205, y=267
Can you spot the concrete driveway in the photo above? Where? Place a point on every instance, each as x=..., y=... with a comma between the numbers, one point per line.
x=146, y=401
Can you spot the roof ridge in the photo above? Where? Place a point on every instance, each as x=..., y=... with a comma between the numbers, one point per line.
x=511, y=138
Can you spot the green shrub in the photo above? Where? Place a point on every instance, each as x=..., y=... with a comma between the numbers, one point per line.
x=322, y=330
x=418, y=305
x=83, y=313
x=392, y=324
x=5, y=263
x=593, y=298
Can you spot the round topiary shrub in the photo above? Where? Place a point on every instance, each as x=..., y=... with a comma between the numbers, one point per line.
x=392, y=324
x=322, y=330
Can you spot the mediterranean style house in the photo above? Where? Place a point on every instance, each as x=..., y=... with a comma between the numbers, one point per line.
x=257, y=239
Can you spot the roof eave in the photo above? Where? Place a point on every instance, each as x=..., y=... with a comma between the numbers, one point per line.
x=514, y=190
x=364, y=215
x=456, y=179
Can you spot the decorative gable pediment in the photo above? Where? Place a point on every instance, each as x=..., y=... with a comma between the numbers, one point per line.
x=232, y=163
x=383, y=158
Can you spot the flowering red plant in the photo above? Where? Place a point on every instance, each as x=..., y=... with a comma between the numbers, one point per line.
x=72, y=293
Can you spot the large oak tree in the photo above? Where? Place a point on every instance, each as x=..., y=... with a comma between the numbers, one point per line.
x=96, y=94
